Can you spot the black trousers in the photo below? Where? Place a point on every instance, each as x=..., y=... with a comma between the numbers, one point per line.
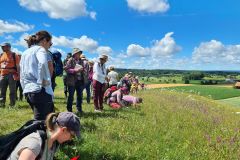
x=41, y=104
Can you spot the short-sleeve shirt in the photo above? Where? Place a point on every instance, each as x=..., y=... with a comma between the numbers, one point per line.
x=130, y=99
x=7, y=62
x=33, y=142
x=113, y=77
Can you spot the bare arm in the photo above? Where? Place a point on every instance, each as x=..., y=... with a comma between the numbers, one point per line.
x=50, y=66
x=27, y=154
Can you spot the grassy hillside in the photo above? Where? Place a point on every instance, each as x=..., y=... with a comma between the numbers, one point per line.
x=168, y=125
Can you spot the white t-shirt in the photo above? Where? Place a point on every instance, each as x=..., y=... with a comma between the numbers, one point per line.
x=99, y=72
x=113, y=77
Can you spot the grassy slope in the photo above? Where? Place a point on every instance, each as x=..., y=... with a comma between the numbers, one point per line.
x=168, y=125
x=214, y=92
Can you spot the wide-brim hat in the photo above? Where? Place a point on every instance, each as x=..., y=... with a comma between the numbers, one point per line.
x=91, y=61
x=76, y=50
x=103, y=56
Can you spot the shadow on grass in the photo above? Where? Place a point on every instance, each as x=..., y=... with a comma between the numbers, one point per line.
x=88, y=127
x=60, y=98
x=22, y=106
x=130, y=110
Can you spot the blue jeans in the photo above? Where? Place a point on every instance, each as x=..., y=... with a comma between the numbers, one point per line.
x=71, y=90
x=88, y=91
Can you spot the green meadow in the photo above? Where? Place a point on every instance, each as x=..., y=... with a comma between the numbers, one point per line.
x=215, y=92
x=168, y=125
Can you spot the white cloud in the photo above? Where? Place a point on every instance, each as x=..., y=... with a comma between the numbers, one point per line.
x=215, y=52
x=151, y=6
x=21, y=41
x=9, y=37
x=104, y=50
x=116, y=62
x=166, y=47
x=84, y=43
x=6, y=27
x=93, y=15
x=16, y=50
x=63, y=9
x=137, y=50
x=46, y=25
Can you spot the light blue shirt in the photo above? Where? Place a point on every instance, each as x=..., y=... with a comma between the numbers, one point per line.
x=34, y=69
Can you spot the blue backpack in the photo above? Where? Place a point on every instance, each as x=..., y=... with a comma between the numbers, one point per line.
x=57, y=63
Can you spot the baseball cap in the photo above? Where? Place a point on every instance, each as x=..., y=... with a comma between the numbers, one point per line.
x=5, y=44
x=69, y=120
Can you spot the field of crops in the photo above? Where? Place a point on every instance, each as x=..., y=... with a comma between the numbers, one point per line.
x=213, y=92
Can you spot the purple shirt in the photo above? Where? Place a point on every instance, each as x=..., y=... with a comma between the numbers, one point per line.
x=90, y=74
x=130, y=99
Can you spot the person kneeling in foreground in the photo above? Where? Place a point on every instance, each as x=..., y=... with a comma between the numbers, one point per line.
x=131, y=100
x=61, y=127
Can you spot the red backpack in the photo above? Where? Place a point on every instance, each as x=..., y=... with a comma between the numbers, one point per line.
x=108, y=93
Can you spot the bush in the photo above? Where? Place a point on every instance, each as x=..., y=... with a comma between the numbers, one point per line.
x=209, y=82
x=186, y=81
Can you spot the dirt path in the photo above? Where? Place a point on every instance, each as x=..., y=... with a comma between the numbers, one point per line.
x=150, y=86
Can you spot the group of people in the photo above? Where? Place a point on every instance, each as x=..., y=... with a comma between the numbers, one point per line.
x=34, y=73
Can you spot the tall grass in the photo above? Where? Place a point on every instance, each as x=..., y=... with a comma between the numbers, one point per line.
x=168, y=125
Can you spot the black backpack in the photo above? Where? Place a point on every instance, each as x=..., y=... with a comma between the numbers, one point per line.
x=9, y=142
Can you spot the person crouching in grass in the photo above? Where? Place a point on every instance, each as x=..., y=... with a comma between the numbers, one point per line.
x=131, y=100
x=61, y=127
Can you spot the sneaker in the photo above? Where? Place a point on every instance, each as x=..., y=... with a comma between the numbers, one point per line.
x=98, y=111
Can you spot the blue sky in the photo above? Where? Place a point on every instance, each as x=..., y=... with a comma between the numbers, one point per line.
x=145, y=34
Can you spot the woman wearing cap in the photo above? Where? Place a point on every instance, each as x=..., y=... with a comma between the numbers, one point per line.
x=61, y=127
x=99, y=80
x=35, y=75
